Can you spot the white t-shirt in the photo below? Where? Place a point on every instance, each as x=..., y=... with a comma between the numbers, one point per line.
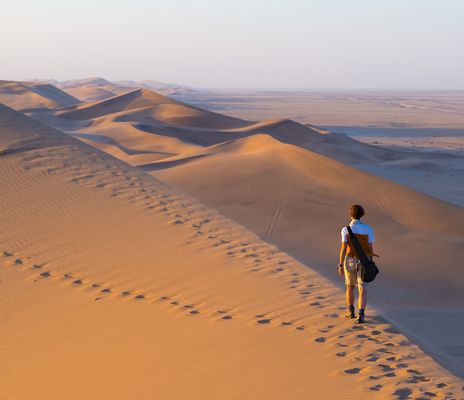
x=361, y=229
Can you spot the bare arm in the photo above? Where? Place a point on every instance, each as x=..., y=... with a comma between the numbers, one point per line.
x=343, y=249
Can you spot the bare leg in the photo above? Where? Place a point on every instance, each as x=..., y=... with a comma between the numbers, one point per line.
x=349, y=295
x=362, y=300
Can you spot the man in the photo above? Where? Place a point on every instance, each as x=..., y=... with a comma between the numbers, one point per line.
x=350, y=266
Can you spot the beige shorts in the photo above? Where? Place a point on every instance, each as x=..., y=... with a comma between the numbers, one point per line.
x=353, y=272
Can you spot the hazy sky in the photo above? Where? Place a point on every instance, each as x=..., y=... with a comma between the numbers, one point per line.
x=238, y=43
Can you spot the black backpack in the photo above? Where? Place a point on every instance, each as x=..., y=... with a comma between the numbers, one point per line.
x=368, y=268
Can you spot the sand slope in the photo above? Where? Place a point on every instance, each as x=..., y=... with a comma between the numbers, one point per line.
x=114, y=286
x=296, y=197
x=33, y=95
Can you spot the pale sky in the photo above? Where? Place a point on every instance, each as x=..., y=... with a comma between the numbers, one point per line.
x=400, y=44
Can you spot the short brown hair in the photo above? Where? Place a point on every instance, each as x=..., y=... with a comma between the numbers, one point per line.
x=356, y=211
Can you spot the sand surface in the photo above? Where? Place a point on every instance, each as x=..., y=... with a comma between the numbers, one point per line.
x=290, y=184
x=112, y=258
x=118, y=287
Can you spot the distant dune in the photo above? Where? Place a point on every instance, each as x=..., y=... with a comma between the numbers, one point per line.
x=143, y=102
x=33, y=95
x=96, y=88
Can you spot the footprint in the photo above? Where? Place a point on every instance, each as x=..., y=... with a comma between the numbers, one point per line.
x=385, y=367
x=352, y=371
x=403, y=393
x=357, y=328
x=383, y=350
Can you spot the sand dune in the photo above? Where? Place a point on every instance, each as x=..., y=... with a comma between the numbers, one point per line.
x=150, y=112
x=274, y=178
x=96, y=88
x=33, y=95
x=161, y=87
x=112, y=277
x=91, y=93
x=91, y=89
x=143, y=101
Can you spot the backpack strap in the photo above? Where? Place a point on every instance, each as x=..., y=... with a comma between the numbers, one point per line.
x=357, y=246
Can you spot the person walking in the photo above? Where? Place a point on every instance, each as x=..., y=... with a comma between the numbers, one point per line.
x=350, y=265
